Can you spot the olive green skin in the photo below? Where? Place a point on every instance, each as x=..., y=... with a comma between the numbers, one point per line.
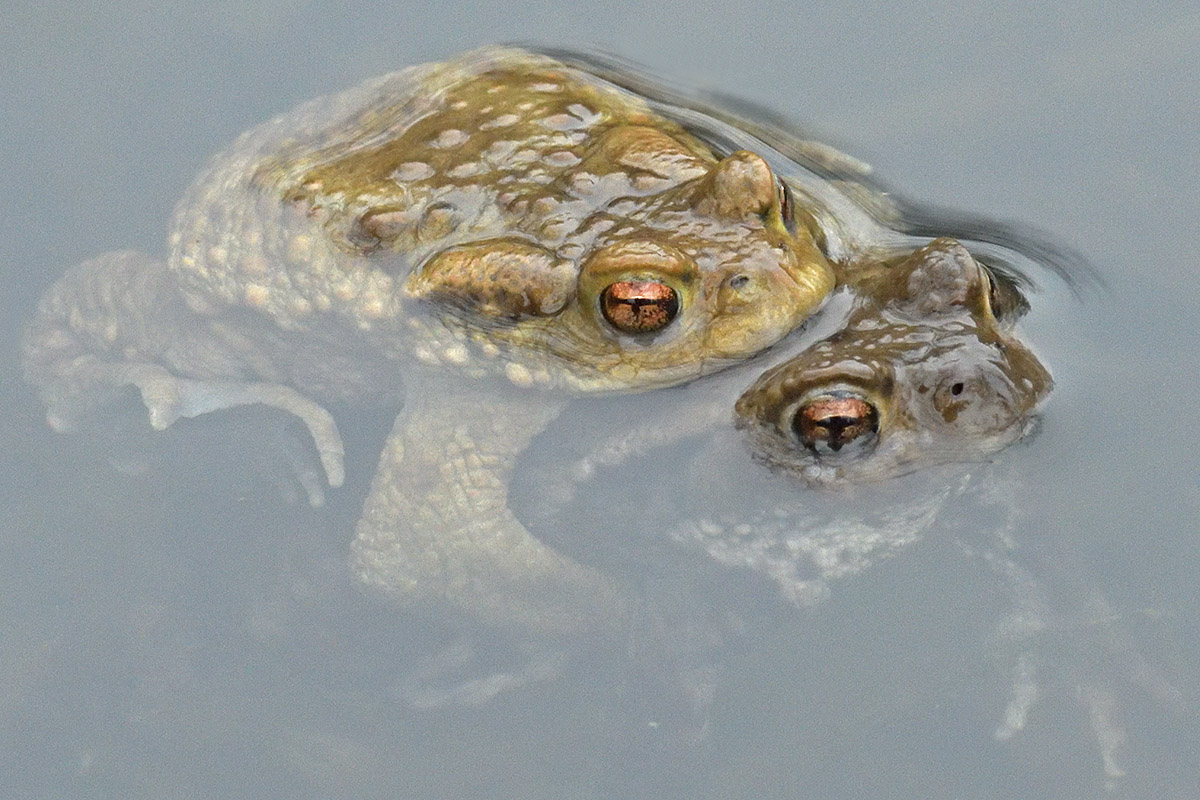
x=441, y=240
x=467, y=215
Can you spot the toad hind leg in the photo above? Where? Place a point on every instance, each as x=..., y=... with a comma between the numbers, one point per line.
x=113, y=322
x=436, y=525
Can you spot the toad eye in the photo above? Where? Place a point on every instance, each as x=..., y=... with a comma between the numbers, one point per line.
x=639, y=306
x=831, y=420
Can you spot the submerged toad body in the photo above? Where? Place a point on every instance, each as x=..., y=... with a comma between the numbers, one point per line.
x=475, y=242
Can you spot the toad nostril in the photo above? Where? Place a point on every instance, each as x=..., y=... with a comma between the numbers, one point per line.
x=833, y=420
x=639, y=306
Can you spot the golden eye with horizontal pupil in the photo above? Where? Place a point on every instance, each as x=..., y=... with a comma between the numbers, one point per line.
x=833, y=420
x=639, y=306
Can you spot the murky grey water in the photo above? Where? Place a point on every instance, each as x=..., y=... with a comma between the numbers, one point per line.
x=173, y=628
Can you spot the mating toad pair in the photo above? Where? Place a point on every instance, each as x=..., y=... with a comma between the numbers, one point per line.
x=478, y=242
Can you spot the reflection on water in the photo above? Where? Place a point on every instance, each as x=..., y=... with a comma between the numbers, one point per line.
x=173, y=627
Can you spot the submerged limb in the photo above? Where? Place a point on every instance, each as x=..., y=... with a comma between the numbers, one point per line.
x=458, y=676
x=168, y=398
x=437, y=527
x=1058, y=609
x=110, y=324
x=614, y=440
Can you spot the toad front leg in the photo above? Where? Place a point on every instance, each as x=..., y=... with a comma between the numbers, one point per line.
x=437, y=526
x=117, y=322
